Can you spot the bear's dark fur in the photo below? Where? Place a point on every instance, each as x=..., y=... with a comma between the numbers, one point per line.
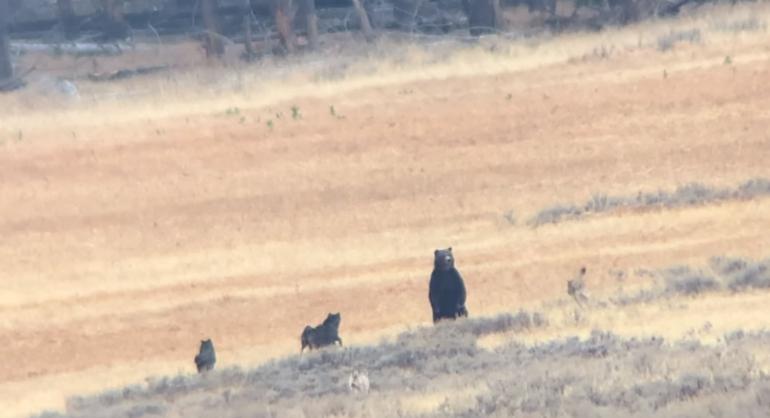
x=206, y=357
x=322, y=335
x=447, y=289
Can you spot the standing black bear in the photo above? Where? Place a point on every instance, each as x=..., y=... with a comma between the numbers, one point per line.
x=447, y=290
x=206, y=357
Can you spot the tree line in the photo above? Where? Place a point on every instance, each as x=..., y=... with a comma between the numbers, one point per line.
x=220, y=17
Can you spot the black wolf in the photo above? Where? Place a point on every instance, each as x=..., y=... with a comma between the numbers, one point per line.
x=322, y=335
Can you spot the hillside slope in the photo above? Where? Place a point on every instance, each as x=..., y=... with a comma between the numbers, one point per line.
x=133, y=227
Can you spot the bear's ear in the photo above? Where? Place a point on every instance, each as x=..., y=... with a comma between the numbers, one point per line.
x=435, y=253
x=449, y=249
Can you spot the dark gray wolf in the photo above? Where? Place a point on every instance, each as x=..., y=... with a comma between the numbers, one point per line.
x=206, y=357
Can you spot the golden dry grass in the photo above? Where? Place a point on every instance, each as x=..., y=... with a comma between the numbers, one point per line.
x=134, y=226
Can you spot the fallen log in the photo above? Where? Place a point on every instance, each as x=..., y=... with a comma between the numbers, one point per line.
x=11, y=84
x=16, y=82
x=126, y=73
x=80, y=49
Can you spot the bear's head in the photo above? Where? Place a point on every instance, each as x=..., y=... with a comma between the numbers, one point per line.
x=443, y=259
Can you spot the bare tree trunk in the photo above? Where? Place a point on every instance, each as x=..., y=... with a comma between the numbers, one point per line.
x=363, y=18
x=629, y=10
x=311, y=22
x=6, y=68
x=115, y=26
x=247, y=35
x=213, y=40
x=498, y=14
x=283, y=23
x=483, y=16
x=67, y=18
x=405, y=13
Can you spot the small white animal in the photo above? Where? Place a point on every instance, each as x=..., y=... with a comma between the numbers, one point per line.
x=358, y=382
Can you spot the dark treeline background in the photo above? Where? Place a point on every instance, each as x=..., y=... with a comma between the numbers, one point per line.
x=219, y=22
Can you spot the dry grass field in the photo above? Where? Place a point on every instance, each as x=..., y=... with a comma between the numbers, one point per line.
x=241, y=203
